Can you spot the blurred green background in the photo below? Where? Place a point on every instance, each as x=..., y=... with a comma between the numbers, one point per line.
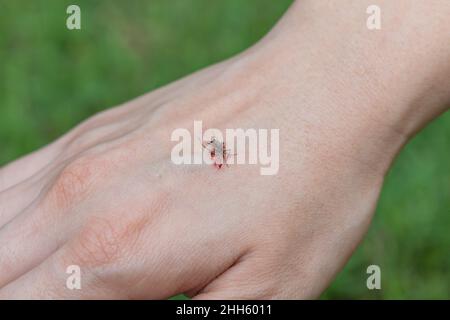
x=51, y=78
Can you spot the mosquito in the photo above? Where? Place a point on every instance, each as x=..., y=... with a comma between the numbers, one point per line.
x=218, y=152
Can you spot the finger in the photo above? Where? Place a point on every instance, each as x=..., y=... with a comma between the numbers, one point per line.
x=28, y=166
x=25, y=167
x=94, y=252
x=27, y=240
x=15, y=199
x=164, y=271
x=103, y=126
x=52, y=280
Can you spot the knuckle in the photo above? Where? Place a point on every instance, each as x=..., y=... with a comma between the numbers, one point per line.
x=98, y=244
x=103, y=250
x=107, y=241
x=85, y=138
x=74, y=181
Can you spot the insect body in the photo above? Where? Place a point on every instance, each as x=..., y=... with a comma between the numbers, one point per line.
x=218, y=152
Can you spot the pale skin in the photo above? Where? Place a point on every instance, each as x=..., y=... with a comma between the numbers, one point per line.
x=107, y=197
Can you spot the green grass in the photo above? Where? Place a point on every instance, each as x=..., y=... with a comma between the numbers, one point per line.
x=52, y=78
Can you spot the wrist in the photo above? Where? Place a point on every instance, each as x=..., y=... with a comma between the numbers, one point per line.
x=380, y=86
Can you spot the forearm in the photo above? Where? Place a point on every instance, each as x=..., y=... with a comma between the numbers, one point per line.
x=407, y=61
x=379, y=86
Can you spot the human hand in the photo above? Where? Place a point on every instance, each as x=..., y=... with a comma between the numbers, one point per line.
x=107, y=197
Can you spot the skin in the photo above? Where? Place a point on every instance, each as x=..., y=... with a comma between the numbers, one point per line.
x=107, y=197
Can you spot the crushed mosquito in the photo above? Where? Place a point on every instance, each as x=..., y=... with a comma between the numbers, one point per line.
x=217, y=151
